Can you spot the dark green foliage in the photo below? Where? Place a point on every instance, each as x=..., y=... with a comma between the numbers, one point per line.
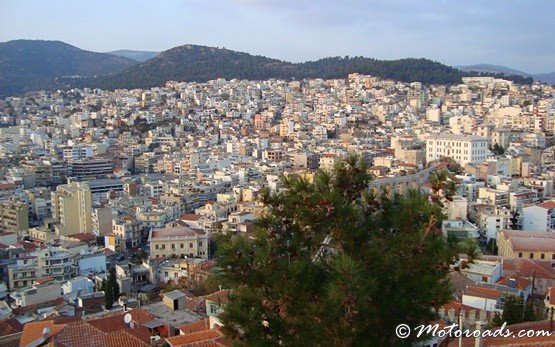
x=442, y=185
x=110, y=288
x=333, y=264
x=516, y=310
x=200, y=64
x=139, y=257
x=498, y=150
x=28, y=65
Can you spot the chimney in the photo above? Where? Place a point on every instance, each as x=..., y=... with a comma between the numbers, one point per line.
x=478, y=342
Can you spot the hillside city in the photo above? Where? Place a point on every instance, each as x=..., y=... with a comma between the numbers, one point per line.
x=134, y=186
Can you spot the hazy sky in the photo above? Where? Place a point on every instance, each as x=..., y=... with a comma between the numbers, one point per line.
x=515, y=33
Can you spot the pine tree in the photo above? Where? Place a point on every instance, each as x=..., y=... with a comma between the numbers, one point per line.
x=110, y=288
x=335, y=264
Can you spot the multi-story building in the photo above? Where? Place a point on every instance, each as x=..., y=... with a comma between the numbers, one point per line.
x=128, y=231
x=55, y=263
x=540, y=217
x=23, y=273
x=72, y=207
x=43, y=290
x=517, y=200
x=461, y=229
x=92, y=168
x=14, y=216
x=178, y=242
x=526, y=244
x=494, y=197
x=464, y=149
x=77, y=153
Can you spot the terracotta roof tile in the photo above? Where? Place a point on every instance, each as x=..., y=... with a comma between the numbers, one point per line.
x=203, y=335
x=199, y=325
x=33, y=331
x=483, y=292
x=10, y=326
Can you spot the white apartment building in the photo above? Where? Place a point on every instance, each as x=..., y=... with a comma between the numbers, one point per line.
x=464, y=149
x=540, y=217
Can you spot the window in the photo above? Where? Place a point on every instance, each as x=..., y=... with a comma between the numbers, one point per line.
x=543, y=256
x=520, y=254
x=157, y=246
x=200, y=243
x=191, y=245
x=166, y=274
x=163, y=246
x=531, y=255
x=181, y=246
x=553, y=257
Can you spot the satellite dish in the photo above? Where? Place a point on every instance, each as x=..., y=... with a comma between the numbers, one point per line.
x=127, y=318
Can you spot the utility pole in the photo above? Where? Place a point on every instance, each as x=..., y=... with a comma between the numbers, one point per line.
x=460, y=326
x=551, y=319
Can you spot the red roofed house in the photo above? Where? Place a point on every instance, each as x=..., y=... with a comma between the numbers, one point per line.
x=110, y=330
x=538, y=245
x=482, y=298
x=540, y=271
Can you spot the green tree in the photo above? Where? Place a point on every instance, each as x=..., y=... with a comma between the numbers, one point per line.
x=111, y=288
x=497, y=149
x=334, y=264
x=516, y=310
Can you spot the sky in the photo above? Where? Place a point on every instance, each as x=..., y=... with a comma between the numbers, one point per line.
x=518, y=34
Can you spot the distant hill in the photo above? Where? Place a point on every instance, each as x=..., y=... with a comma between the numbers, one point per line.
x=139, y=56
x=489, y=68
x=201, y=63
x=27, y=65
x=545, y=77
x=498, y=69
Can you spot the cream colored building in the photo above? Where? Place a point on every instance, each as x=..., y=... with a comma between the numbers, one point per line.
x=14, y=216
x=178, y=242
x=463, y=149
x=537, y=245
x=72, y=208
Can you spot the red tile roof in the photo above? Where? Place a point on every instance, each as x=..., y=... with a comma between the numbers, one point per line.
x=483, y=292
x=203, y=335
x=10, y=326
x=177, y=231
x=33, y=331
x=199, y=325
x=547, y=204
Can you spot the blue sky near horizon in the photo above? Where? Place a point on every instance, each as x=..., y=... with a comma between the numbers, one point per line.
x=518, y=34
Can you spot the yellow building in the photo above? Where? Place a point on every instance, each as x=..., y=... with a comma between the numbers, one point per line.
x=526, y=244
x=178, y=242
x=72, y=208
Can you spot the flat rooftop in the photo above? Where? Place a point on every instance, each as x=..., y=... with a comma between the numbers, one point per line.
x=169, y=316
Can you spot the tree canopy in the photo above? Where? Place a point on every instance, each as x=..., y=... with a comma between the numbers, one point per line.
x=332, y=263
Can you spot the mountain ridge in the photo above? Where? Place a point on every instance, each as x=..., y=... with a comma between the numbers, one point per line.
x=27, y=65
x=546, y=77
x=140, y=56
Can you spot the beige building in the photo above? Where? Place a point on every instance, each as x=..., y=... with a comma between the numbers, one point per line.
x=178, y=242
x=526, y=244
x=72, y=208
x=14, y=216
